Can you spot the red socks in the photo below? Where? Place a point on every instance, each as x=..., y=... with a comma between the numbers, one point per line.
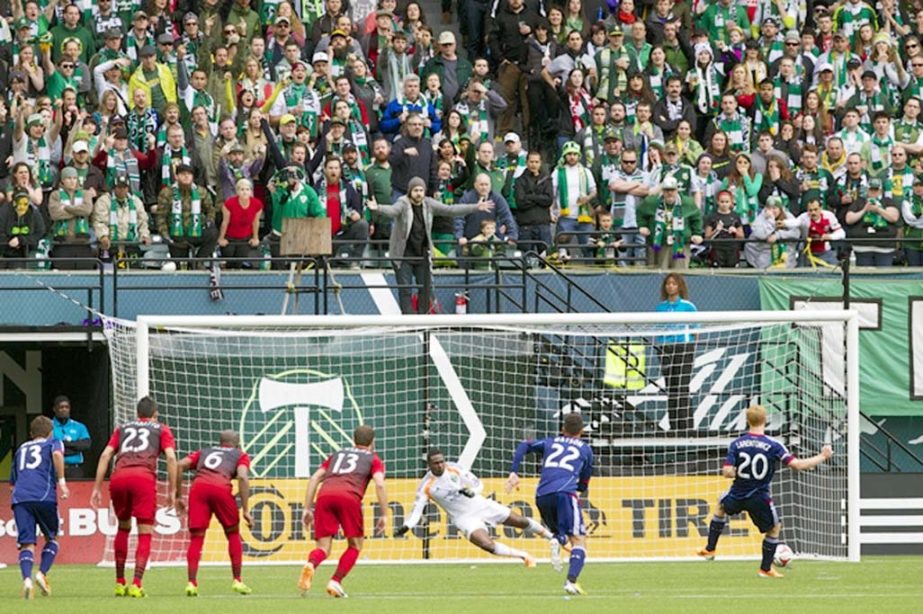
x=317, y=557
x=236, y=552
x=121, y=554
x=347, y=562
x=194, y=555
x=142, y=554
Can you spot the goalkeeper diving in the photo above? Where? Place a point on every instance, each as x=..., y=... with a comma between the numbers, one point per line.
x=458, y=491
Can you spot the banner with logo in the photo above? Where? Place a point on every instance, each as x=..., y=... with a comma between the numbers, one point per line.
x=632, y=517
x=890, y=335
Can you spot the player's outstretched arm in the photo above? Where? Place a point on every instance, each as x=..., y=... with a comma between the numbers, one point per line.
x=57, y=457
x=522, y=449
x=173, y=476
x=313, y=484
x=804, y=464
x=418, y=506
x=243, y=488
x=382, y=523
x=101, y=467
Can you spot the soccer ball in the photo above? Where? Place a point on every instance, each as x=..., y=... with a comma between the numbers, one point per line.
x=784, y=555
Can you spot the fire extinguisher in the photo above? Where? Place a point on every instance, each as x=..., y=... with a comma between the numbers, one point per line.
x=461, y=303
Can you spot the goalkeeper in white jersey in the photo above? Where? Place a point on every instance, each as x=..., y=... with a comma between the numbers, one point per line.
x=458, y=491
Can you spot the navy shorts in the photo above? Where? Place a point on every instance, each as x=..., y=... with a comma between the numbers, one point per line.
x=561, y=513
x=759, y=507
x=32, y=514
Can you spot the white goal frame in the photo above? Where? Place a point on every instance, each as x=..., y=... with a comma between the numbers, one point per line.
x=850, y=318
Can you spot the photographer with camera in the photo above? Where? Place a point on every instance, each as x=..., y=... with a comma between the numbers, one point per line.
x=291, y=198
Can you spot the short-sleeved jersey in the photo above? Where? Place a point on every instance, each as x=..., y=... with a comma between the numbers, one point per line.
x=567, y=463
x=32, y=474
x=754, y=456
x=218, y=465
x=349, y=472
x=138, y=444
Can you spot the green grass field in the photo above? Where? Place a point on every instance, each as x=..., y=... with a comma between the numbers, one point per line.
x=878, y=584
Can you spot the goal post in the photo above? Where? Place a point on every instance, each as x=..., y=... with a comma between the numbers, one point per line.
x=475, y=385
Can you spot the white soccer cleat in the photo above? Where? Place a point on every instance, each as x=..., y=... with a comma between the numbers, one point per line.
x=556, y=563
x=572, y=588
x=335, y=589
x=43, y=584
x=28, y=591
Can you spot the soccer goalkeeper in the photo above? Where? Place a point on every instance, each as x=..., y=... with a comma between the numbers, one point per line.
x=458, y=491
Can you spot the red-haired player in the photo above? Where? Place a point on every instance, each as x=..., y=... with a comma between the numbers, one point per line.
x=345, y=476
x=215, y=467
x=133, y=486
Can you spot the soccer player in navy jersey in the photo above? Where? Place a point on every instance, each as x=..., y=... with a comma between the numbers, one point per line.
x=567, y=464
x=37, y=466
x=136, y=447
x=751, y=463
x=211, y=494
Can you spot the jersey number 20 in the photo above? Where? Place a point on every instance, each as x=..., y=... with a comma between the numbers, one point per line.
x=562, y=457
x=755, y=467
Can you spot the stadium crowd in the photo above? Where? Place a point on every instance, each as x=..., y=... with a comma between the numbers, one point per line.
x=758, y=133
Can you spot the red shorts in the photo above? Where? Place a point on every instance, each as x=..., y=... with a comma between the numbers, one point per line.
x=333, y=512
x=133, y=495
x=208, y=499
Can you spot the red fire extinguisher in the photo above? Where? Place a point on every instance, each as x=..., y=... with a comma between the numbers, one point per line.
x=461, y=303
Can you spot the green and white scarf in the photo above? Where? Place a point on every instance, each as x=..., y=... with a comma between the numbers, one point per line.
x=872, y=219
x=133, y=45
x=177, y=228
x=132, y=234
x=38, y=156
x=81, y=223
x=793, y=99
x=736, y=129
x=359, y=138
x=127, y=164
x=707, y=89
x=612, y=78
x=906, y=132
x=878, y=161
x=300, y=95
x=477, y=120
x=766, y=118
x=344, y=202
x=166, y=164
x=583, y=214
x=670, y=229
x=900, y=185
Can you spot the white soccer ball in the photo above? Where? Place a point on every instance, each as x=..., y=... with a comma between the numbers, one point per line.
x=784, y=555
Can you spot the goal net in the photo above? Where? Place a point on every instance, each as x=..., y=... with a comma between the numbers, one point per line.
x=295, y=388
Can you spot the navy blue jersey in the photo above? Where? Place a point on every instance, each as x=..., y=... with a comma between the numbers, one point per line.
x=32, y=475
x=567, y=463
x=754, y=457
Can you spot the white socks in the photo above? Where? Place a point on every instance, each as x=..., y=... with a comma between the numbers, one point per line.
x=504, y=550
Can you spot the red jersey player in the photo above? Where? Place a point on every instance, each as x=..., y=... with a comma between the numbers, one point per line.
x=133, y=486
x=211, y=494
x=345, y=476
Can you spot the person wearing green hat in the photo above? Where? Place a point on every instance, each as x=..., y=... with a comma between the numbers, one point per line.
x=21, y=228
x=670, y=221
x=33, y=144
x=613, y=63
x=874, y=219
x=70, y=208
x=574, y=191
